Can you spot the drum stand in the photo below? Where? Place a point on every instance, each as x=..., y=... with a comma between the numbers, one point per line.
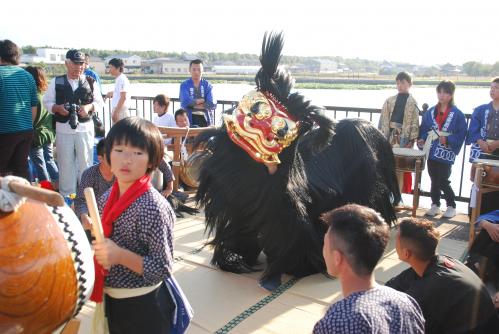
x=418, y=169
x=178, y=134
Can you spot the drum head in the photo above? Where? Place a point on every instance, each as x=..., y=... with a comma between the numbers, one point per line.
x=407, y=152
x=488, y=162
x=488, y=156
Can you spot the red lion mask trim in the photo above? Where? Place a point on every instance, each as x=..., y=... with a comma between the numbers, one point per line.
x=261, y=126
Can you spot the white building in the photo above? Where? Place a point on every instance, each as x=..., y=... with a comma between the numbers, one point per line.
x=46, y=56
x=327, y=66
x=235, y=69
x=97, y=64
x=317, y=65
x=165, y=66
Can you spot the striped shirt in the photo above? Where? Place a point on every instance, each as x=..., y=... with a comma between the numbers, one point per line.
x=17, y=96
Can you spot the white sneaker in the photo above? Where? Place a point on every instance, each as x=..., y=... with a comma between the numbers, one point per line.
x=433, y=211
x=450, y=212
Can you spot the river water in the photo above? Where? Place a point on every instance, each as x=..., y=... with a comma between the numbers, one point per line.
x=465, y=99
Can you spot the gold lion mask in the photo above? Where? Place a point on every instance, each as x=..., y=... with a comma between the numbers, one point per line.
x=261, y=126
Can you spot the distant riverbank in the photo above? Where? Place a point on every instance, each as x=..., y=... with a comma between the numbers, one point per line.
x=308, y=82
x=370, y=96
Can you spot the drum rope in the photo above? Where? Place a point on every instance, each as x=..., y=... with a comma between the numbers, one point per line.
x=75, y=253
x=183, y=149
x=432, y=136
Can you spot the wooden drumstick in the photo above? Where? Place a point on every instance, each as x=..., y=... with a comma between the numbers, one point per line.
x=94, y=214
x=43, y=195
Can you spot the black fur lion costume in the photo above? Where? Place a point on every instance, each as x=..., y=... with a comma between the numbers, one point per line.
x=275, y=165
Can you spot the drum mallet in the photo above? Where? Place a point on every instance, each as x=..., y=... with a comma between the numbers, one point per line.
x=94, y=214
x=51, y=198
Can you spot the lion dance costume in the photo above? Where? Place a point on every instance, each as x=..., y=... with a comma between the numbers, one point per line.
x=275, y=165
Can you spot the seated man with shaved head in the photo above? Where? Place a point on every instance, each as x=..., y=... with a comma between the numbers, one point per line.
x=354, y=243
x=451, y=296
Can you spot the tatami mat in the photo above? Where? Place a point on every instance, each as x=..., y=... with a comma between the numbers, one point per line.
x=225, y=302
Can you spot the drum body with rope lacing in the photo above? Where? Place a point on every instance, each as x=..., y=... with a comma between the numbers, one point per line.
x=46, y=268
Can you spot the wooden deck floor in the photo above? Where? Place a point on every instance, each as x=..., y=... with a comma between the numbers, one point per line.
x=225, y=302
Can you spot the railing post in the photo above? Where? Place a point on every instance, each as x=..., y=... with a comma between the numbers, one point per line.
x=464, y=160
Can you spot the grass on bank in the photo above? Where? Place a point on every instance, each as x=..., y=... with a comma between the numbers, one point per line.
x=299, y=85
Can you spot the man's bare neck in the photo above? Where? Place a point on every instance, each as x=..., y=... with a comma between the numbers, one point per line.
x=419, y=266
x=354, y=283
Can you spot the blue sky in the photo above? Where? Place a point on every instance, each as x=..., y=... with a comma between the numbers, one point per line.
x=420, y=31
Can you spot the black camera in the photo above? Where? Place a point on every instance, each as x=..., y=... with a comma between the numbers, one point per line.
x=73, y=109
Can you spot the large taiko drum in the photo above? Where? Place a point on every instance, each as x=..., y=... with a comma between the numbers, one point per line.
x=405, y=158
x=191, y=167
x=490, y=168
x=46, y=268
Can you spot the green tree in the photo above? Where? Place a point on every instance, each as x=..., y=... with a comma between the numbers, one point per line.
x=28, y=49
x=485, y=69
x=474, y=68
x=495, y=69
x=471, y=68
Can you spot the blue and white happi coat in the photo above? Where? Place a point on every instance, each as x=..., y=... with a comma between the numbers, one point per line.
x=188, y=97
x=455, y=125
x=478, y=129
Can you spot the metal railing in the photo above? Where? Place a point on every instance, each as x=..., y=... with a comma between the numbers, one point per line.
x=369, y=113
x=142, y=106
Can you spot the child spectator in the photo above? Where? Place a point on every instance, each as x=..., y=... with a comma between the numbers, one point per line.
x=483, y=136
x=138, y=227
x=121, y=95
x=182, y=121
x=160, y=106
x=99, y=177
x=442, y=133
x=399, y=122
x=181, y=118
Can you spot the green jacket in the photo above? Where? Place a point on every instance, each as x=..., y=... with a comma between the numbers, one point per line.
x=43, y=126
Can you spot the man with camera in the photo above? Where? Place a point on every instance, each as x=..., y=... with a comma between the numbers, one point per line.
x=73, y=98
